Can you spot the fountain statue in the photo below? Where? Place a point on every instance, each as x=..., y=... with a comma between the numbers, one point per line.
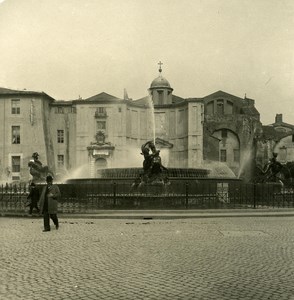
x=37, y=170
x=152, y=166
x=270, y=172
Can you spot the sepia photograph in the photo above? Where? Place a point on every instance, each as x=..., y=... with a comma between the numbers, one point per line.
x=147, y=149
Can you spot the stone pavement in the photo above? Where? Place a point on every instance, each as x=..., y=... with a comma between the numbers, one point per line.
x=178, y=258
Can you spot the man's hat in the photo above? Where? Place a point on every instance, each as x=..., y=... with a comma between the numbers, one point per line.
x=49, y=178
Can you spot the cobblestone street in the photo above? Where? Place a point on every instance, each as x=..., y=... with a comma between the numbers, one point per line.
x=213, y=258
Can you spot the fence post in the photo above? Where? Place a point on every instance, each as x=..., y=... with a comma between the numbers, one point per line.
x=254, y=195
x=114, y=193
x=187, y=195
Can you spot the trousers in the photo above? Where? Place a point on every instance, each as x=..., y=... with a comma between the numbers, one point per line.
x=46, y=218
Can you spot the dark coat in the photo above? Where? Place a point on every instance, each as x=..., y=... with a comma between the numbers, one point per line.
x=34, y=195
x=53, y=198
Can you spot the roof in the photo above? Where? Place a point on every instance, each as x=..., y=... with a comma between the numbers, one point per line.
x=269, y=133
x=175, y=100
x=102, y=97
x=5, y=91
x=160, y=82
x=222, y=94
x=282, y=124
x=250, y=110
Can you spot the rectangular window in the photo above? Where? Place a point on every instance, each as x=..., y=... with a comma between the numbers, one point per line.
x=60, y=136
x=15, y=164
x=15, y=106
x=15, y=134
x=223, y=155
x=283, y=154
x=101, y=125
x=292, y=138
x=236, y=155
x=101, y=110
x=59, y=110
x=60, y=161
x=224, y=133
x=160, y=97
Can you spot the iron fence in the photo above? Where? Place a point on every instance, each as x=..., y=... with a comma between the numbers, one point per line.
x=88, y=197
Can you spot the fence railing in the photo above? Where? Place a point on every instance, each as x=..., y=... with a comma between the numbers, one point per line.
x=87, y=198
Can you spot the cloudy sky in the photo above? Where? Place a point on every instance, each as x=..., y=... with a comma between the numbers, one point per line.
x=75, y=48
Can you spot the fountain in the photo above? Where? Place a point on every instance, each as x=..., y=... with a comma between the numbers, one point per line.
x=154, y=175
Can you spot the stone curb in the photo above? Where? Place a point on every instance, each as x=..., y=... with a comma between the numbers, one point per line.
x=164, y=214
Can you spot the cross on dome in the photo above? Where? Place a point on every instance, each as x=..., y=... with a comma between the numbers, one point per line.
x=160, y=64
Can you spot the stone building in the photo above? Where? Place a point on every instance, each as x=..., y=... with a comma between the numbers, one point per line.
x=230, y=125
x=277, y=137
x=25, y=127
x=97, y=132
x=81, y=136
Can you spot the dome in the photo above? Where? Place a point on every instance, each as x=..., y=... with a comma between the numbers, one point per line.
x=160, y=82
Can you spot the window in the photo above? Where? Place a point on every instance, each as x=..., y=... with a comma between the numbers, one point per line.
x=224, y=133
x=223, y=155
x=220, y=106
x=15, y=106
x=236, y=155
x=160, y=97
x=15, y=134
x=59, y=110
x=15, y=164
x=101, y=125
x=60, y=160
x=283, y=154
x=210, y=108
x=60, y=136
x=100, y=112
x=292, y=138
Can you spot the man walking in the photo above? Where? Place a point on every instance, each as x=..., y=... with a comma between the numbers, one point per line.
x=48, y=203
x=34, y=195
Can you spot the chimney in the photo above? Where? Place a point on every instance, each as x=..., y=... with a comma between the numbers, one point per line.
x=279, y=118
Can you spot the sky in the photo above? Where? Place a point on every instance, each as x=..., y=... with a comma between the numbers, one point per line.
x=72, y=48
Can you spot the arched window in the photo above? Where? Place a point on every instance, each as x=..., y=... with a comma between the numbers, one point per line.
x=220, y=106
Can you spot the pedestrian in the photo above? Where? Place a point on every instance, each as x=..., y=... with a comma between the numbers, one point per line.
x=48, y=203
x=34, y=196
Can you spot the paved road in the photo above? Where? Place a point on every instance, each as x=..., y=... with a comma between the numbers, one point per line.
x=212, y=258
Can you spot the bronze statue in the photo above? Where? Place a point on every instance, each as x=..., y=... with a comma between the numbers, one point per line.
x=152, y=165
x=37, y=170
x=270, y=171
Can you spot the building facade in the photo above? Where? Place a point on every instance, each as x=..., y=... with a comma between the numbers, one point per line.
x=98, y=132
x=77, y=138
x=277, y=137
x=230, y=127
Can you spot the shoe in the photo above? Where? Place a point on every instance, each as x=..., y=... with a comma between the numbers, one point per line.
x=45, y=230
x=57, y=226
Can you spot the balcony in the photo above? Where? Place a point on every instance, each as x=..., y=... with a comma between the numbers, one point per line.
x=100, y=114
